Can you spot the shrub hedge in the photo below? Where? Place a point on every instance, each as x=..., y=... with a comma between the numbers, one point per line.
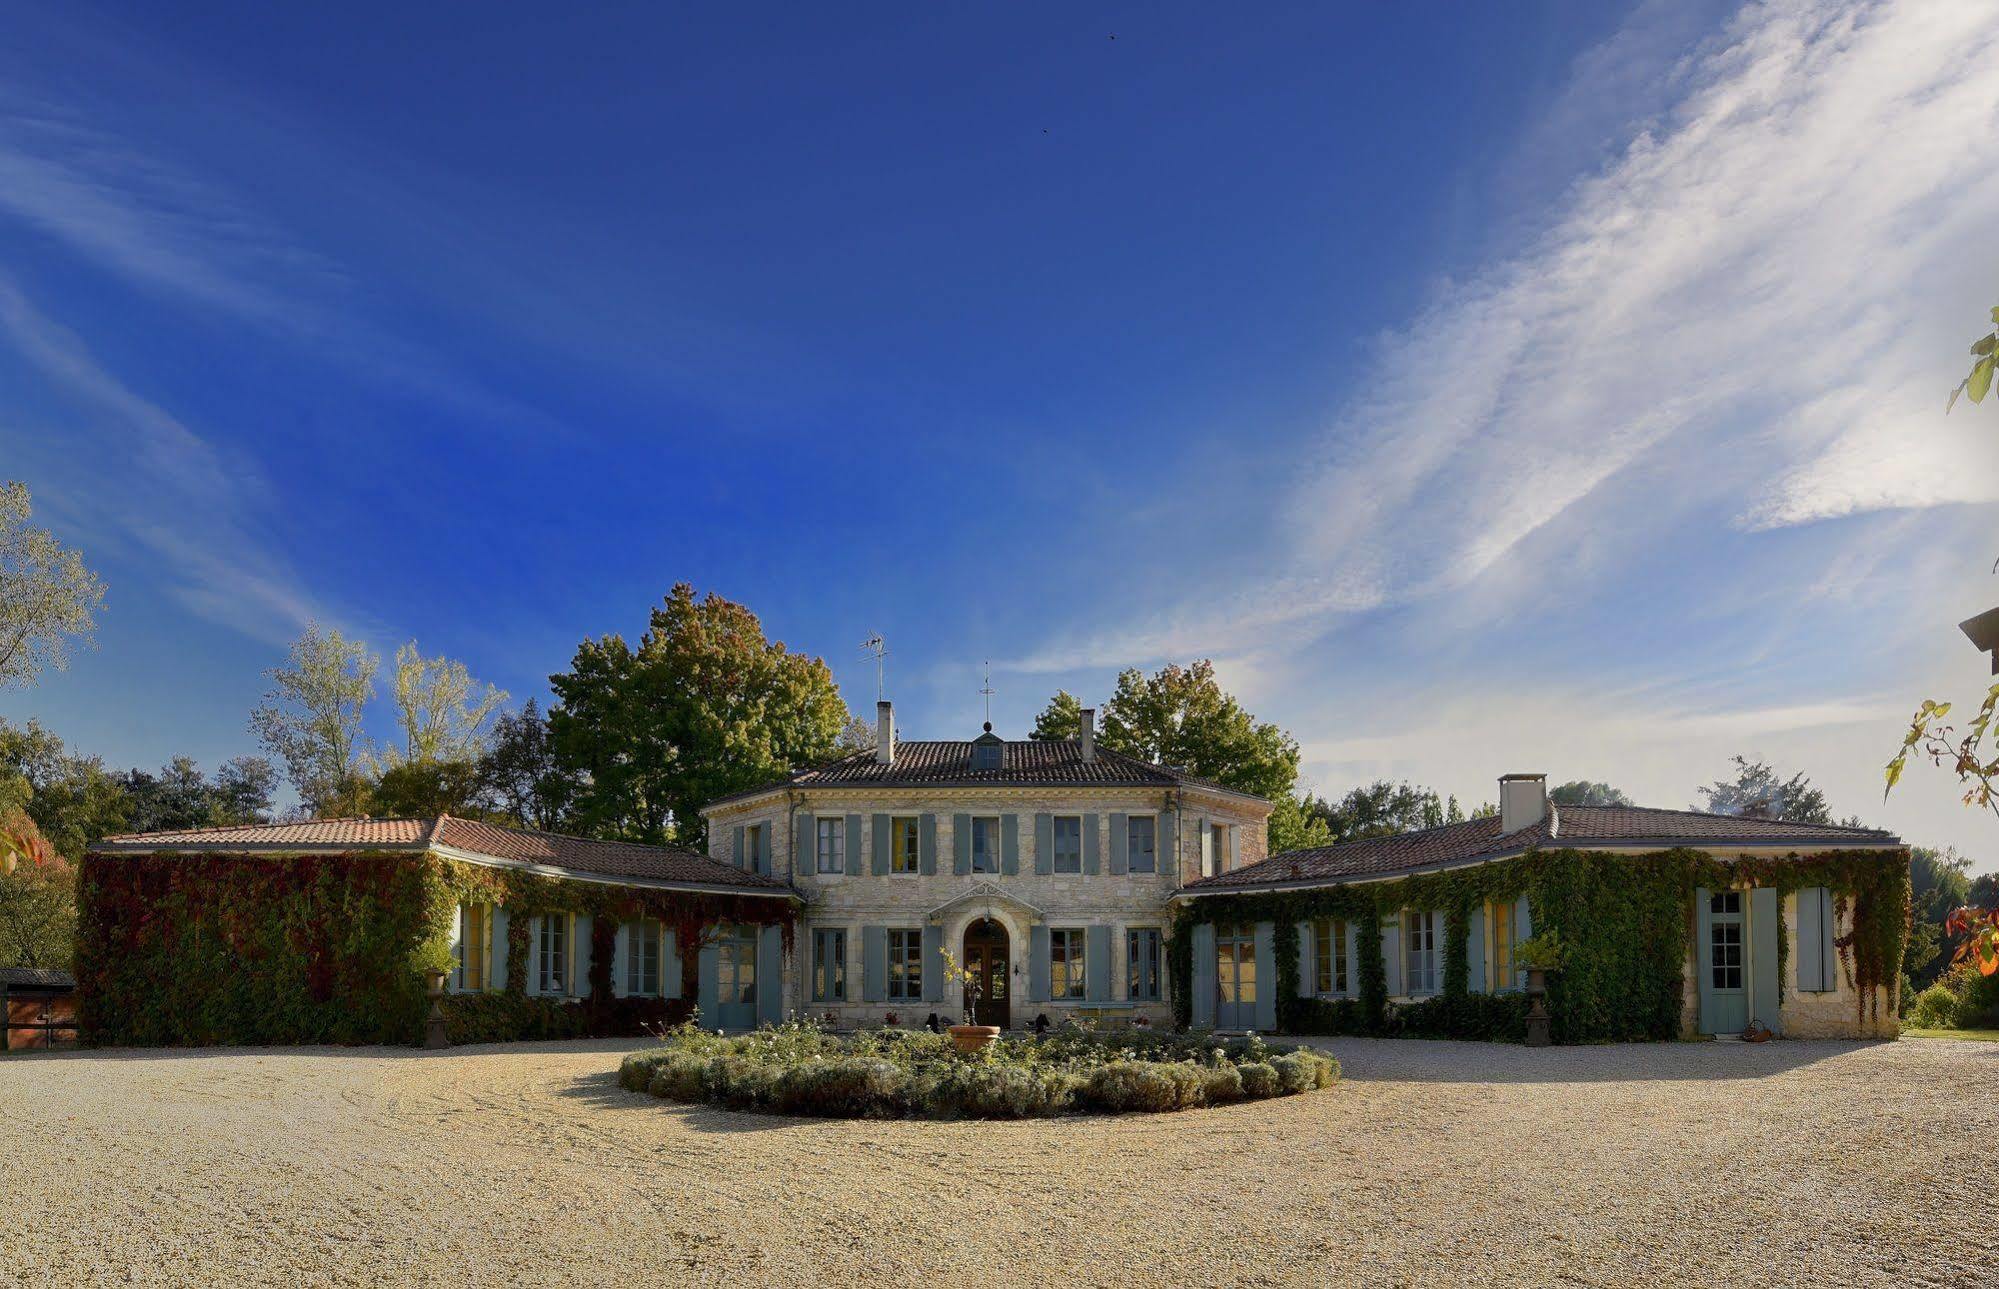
x=798, y=1068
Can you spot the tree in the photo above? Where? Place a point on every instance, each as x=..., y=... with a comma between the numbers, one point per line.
x=423, y=789
x=1582, y=792
x=519, y=776
x=1180, y=717
x=1757, y=792
x=181, y=796
x=441, y=709
x=1382, y=809
x=705, y=706
x=46, y=594
x=855, y=736
x=72, y=800
x=1061, y=719
x=1979, y=382
x=311, y=718
x=37, y=899
x=1938, y=882
x=1295, y=824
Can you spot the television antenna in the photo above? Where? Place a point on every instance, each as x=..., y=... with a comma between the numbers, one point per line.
x=877, y=648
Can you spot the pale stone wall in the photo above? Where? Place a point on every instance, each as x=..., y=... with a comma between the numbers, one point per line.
x=1121, y=901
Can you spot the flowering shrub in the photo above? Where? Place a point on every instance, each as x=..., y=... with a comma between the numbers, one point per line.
x=802, y=1068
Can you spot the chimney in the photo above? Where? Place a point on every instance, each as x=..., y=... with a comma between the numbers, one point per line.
x=1087, y=735
x=1523, y=801
x=885, y=732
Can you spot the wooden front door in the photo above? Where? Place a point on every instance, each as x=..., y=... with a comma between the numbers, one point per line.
x=1235, y=977
x=1723, y=955
x=986, y=959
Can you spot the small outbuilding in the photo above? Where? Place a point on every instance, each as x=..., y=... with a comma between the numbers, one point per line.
x=38, y=1005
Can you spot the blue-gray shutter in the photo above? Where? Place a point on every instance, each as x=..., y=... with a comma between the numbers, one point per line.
x=621, y=953
x=961, y=844
x=1353, y=959
x=1475, y=952
x=874, y=964
x=498, y=979
x=577, y=978
x=1120, y=844
x=1168, y=845
x=1308, y=978
x=1044, y=843
x=933, y=964
x=1010, y=845
x=1202, y=979
x=926, y=859
x=1815, y=935
x=1090, y=845
x=1704, y=956
x=802, y=858
x=1037, y=963
x=709, y=992
x=1391, y=955
x=853, y=845
x=884, y=830
x=1097, y=963
x=669, y=966
x=736, y=856
x=770, y=975
x=1523, y=927
x=1763, y=955
x=1266, y=976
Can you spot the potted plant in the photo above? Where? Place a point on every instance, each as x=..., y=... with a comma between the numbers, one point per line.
x=969, y=1038
x=1540, y=954
x=434, y=962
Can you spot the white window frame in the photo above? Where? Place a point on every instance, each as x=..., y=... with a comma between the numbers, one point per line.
x=819, y=823
x=566, y=984
x=1055, y=851
x=997, y=848
x=1129, y=820
x=1333, y=950
x=895, y=823
x=1221, y=837
x=644, y=934
x=1422, y=930
x=905, y=967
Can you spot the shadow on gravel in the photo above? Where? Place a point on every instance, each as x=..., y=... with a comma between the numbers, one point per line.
x=601, y=1092
x=614, y=1047
x=1416, y=1060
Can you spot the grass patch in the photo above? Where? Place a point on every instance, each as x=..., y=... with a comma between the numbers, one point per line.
x=799, y=1068
x=1971, y=1035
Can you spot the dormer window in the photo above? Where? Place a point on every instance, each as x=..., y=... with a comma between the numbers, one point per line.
x=988, y=750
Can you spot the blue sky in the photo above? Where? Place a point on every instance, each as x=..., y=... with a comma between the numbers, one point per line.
x=1530, y=387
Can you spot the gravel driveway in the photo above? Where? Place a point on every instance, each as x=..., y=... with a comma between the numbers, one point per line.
x=1433, y=1163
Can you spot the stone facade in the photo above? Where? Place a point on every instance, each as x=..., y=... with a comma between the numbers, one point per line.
x=1021, y=900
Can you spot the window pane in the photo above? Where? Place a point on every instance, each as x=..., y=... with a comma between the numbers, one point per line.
x=985, y=846
x=1068, y=843
x=903, y=846
x=832, y=845
x=1141, y=838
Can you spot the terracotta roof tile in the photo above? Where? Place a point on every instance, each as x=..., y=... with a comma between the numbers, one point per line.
x=581, y=855
x=1481, y=839
x=1024, y=762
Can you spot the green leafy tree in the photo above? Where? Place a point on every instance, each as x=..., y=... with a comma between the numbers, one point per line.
x=311, y=719
x=442, y=711
x=520, y=778
x=1061, y=719
x=181, y=796
x=47, y=596
x=1382, y=809
x=37, y=899
x=1180, y=716
x=703, y=707
x=1939, y=881
x=73, y=800
x=1758, y=792
x=1297, y=824
x=1582, y=792
x=423, y=789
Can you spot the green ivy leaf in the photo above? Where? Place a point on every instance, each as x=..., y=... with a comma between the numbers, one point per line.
x=1980, y=379
x=1984, y=346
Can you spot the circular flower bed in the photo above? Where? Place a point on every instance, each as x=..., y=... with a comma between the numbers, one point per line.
x=798, y=1068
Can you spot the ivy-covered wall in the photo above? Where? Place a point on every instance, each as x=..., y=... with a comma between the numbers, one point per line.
x=241, y=949
x=1625, y=922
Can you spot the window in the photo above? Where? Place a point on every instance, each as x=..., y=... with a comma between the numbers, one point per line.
x=1207, y=836
x=736, y=969
x=832, y=845
x=553, y=959
x=1142, y=844
x=1500, y=918
x=754, y=856
x=475, y=938
x=1067, y=840
x=1725, y=943
x=1065, y=963
x=905, y=966
x=1329, y=957
x=1421, y=930
x=1219, y=845
x=829, y=965
x=903, y=845
x=985, y=845
x=643, y=951
x=1142, y=965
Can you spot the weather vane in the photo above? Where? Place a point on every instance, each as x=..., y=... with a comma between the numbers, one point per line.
x=988, y=692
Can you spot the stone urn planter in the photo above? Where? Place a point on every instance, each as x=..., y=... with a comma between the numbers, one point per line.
x=970, y=1038
x=1537, y=1013
x=433, y=1030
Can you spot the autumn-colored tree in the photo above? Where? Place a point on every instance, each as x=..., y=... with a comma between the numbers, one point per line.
x=37, y=898
x=703, y=707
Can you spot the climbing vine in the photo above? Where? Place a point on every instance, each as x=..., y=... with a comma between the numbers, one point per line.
x=1626, y=921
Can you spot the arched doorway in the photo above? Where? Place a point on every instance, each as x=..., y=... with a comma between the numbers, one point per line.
x=986, y=958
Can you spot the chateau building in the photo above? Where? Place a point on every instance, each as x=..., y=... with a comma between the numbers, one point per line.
x=1044, y=867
